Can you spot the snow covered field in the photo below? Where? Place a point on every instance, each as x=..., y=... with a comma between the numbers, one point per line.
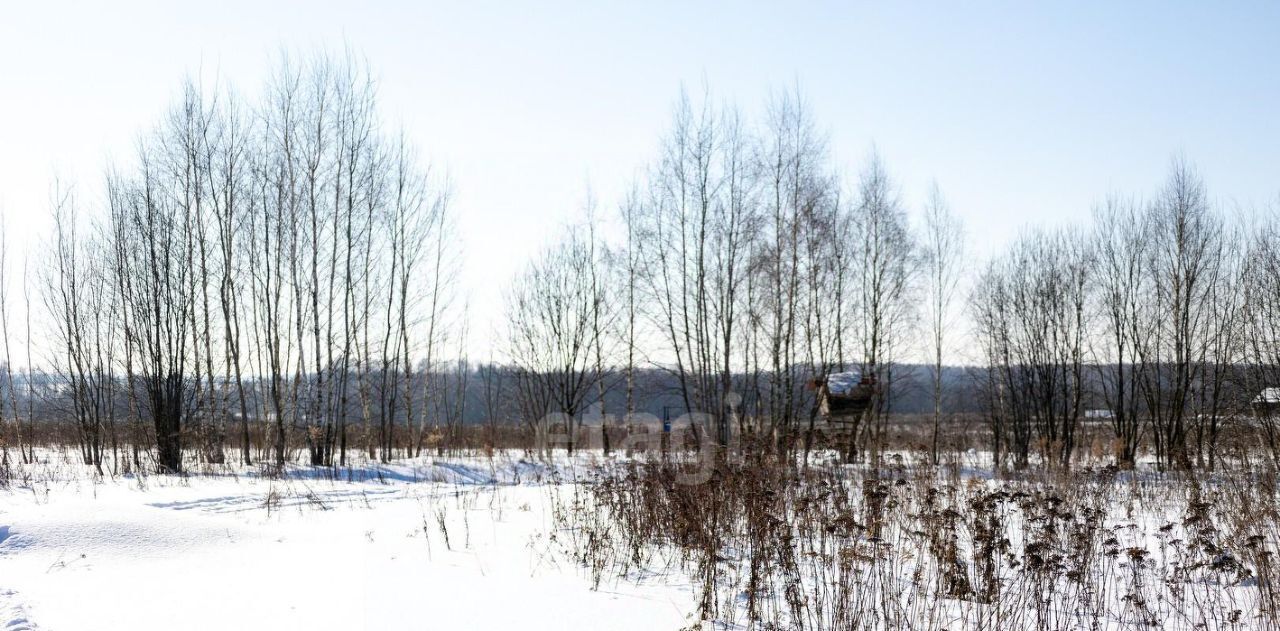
x=490, y=543
x=431, y=545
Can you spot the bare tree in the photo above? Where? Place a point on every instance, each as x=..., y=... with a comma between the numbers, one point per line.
x=798, y=199
x=1185, y=238
x=943, y=257
x=1218, y=395
x=158, y=298
x=1120, y=250
x=551, y=337
x=1030, y=306
x=693, y=235
x=1260, y=287
x=14, y=416
x=84, y=328
x=887, y=264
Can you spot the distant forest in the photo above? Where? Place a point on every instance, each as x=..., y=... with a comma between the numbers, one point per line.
x=480, y=393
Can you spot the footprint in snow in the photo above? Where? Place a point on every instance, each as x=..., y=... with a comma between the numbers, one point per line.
x=13, y=616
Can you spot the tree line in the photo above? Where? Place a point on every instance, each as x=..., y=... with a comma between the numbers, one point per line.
x=747, y=266
x=283, y=261
x=1161, y=312
x=744, y=265
x=284, y=265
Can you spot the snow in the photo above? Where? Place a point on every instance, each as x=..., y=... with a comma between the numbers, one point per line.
x=1268, y=395
x=243, y=551
x=448, y=543
x=843, y=382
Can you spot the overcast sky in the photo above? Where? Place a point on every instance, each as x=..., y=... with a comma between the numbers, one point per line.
x=1025, y=113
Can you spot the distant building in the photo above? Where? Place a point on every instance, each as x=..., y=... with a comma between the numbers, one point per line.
x=1099, y=415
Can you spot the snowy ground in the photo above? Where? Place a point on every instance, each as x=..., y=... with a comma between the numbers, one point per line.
x=245, y=552
x=448, y=543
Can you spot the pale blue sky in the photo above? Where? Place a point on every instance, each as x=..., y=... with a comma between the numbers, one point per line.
x=1024, y=112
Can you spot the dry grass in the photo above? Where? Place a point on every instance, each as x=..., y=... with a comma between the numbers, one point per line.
x=785, y=543
x=770, y=545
